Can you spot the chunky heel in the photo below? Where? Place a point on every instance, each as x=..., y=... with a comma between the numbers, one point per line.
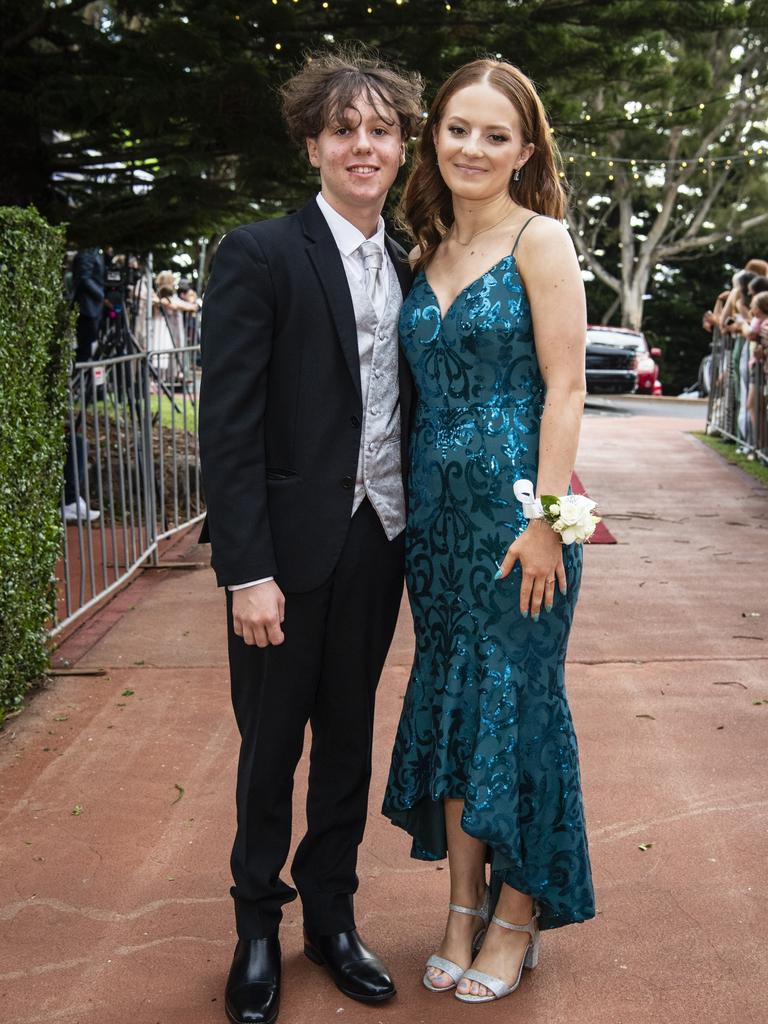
x=532, y=954
x=478, y=941
x=313, y=955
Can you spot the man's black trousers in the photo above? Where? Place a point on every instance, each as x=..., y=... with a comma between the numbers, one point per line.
x=325, y=672
x=87, y=334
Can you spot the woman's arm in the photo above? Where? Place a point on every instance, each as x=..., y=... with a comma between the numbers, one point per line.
x=178, y=304
x=552, y=278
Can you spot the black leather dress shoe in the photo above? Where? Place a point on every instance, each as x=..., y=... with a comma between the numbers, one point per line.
x=253, y=986
x=356, y=971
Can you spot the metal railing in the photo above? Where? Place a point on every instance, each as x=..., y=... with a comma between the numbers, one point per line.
x=132, y=477
x=738, y=394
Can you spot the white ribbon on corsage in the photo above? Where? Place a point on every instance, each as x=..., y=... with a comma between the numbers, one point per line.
x=525, y=494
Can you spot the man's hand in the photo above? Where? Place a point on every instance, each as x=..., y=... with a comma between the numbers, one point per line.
x=258, y=614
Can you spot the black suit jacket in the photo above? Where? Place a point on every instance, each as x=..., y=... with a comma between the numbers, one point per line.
x=280, y=406
x=88, y=282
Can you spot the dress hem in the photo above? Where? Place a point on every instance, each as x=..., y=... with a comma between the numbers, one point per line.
x=511, y=873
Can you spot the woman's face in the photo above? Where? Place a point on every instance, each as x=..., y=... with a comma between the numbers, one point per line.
x=479, y=142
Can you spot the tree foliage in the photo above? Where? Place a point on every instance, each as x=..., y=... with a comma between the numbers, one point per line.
x=141, y=122
x=102, y=100
x=681, y=145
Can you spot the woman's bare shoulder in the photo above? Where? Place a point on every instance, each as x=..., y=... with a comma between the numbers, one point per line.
x=545, y=228
x=543, y=239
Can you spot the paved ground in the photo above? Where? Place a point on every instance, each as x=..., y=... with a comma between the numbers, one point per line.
x=116, y=795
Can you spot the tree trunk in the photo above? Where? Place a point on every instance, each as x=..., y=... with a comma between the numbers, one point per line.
x=632, y=292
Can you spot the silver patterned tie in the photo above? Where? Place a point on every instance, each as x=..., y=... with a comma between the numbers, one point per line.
x=373, y=261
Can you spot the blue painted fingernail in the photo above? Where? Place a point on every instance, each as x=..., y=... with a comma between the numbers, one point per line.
x=498, y=575
x=535, y=616
x=549, y=607
x=525, y=614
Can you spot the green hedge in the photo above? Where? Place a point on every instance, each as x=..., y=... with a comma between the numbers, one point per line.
x=35, y=347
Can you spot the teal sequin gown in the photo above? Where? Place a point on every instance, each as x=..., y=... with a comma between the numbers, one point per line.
x=485, y=717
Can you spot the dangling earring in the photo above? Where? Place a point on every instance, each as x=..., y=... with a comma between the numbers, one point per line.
x=517, y=175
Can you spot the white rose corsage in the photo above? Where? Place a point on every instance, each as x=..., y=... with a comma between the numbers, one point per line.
x=570, y=515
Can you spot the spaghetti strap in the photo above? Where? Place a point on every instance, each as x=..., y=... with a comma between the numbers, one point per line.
x=522, y=229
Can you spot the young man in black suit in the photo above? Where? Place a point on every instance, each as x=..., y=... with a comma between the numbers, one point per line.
x=304, y=419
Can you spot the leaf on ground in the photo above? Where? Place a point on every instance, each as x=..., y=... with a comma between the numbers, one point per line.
x=729, y=682
x=760, y=701
x=181, y=793
x=61, y=718
x=750, y=615
x=138, y=663
x=127, y=693
x=77, y=809
x=743, y=636
x=646, y=716
x=645, y=846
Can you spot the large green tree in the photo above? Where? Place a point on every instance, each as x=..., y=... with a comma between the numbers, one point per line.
x=673, y=159
x=147, y=120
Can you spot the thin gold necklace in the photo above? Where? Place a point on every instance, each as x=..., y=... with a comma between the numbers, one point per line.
x=480, y=232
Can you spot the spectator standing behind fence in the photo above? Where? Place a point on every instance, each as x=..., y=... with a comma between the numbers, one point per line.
x=88, y=293
x=756, y=334
x=188, y=294
x=167, y=331
x=735, y=408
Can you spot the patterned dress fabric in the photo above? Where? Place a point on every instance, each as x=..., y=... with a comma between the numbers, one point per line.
x=485, y=717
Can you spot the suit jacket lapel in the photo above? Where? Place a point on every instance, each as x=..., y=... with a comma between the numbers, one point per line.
x=326, y=260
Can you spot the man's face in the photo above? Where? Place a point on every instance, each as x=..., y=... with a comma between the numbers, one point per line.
x=358, y=161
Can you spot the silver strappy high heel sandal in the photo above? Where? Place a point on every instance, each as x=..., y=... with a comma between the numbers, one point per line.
x=496, y=986
x=448, y=967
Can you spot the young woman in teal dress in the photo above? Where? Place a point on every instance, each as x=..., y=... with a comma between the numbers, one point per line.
x=485, y=765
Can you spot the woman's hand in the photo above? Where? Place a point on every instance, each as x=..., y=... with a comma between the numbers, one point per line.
x=540, y=553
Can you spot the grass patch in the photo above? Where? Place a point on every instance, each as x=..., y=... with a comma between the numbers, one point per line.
x=727, y=449
x=169, y=416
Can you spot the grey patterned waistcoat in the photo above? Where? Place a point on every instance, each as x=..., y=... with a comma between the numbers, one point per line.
x=379, y=474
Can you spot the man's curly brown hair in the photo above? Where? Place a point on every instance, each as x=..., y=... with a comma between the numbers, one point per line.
x=325, y=89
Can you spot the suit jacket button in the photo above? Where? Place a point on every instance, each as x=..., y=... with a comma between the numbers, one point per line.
x=354, y=421
x=348, y=483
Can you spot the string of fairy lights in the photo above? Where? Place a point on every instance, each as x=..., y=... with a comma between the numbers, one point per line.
x=607, y=166
x=596, y=165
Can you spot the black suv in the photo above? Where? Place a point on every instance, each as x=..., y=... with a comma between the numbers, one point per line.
x=609, y=367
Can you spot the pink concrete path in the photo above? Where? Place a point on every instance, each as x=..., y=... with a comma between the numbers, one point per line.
x=116, y=803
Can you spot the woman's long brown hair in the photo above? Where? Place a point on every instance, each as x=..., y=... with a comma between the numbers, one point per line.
x=427, y=208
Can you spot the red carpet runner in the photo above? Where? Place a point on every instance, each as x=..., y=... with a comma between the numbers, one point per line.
x=602, y=534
